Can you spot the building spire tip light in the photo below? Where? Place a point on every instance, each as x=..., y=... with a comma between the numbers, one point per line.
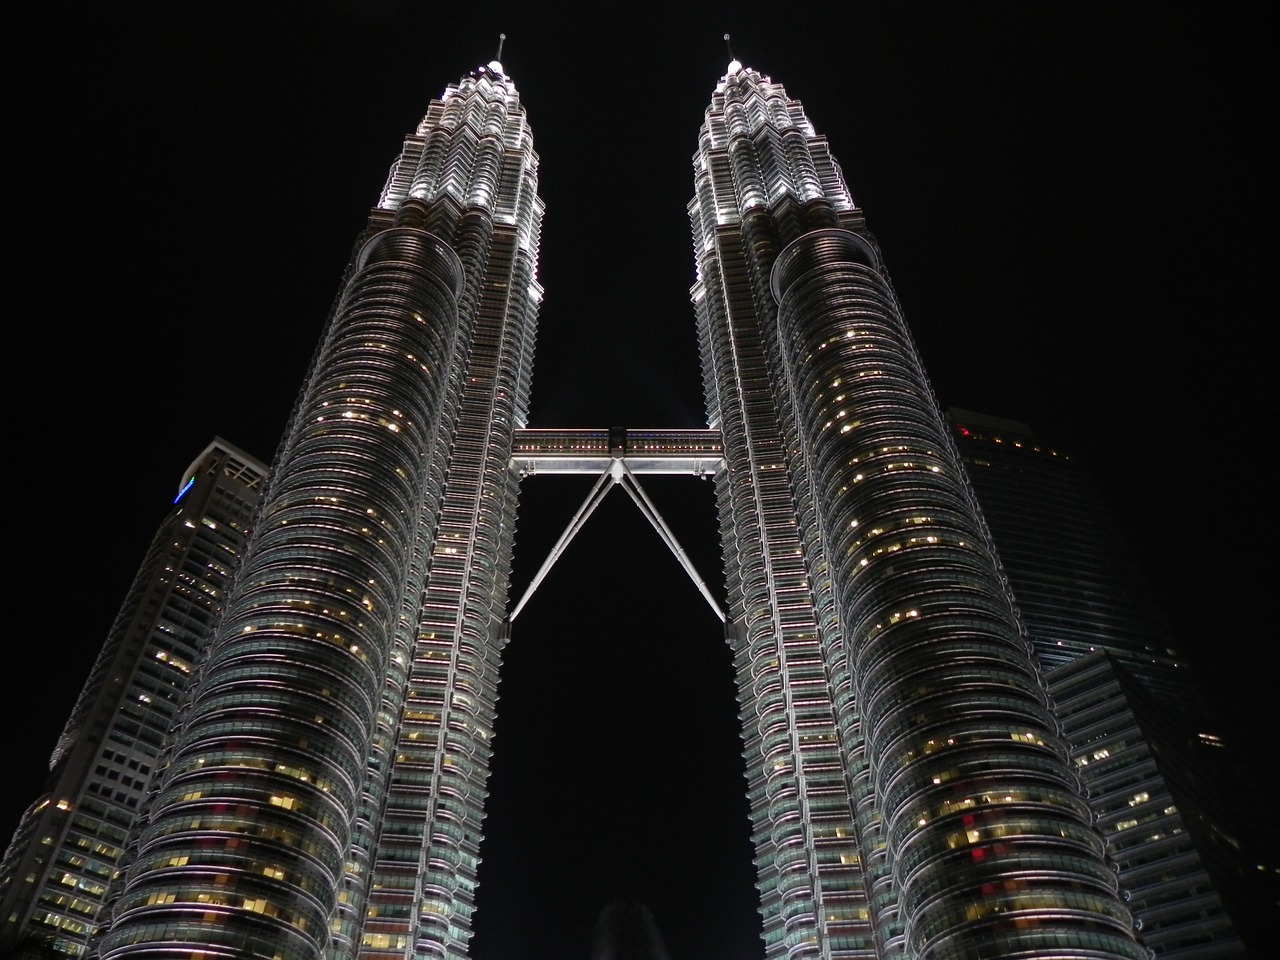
x=734, y=64
x=496, y=63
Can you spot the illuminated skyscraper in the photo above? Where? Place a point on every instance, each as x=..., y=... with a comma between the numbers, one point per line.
x=331, y=763
x=68, y=844
x=909, y=793
x=1161, y=811
x=322, y=794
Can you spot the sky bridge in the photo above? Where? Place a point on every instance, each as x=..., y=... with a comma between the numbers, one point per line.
x=617, y=455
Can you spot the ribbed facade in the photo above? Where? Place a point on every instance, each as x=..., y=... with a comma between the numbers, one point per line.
x=909, y=793
x=332, y=759
x=475, y=147
x=56, y=874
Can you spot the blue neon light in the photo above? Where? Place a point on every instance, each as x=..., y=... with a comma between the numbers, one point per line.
x=185, y=487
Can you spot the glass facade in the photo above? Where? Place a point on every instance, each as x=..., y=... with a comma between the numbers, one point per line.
x=1159, y=788
x=1077, y=587
x=1154, y=804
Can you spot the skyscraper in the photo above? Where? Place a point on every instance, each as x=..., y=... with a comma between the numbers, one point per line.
x=909, y=793
x=1077, y=586
x=1156, y=803
x=58, y=866
x=324, y=788
x=1159, y=779
x=331, y=763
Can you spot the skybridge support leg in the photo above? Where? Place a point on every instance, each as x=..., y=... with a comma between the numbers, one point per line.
x=618, y=474
x=602, y=487
x=628, y=481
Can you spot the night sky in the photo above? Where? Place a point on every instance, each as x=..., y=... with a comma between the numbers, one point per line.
x=1070, y=198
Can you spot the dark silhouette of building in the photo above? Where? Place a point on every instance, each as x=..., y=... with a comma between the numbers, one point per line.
x=1166, y=791
x=626, y=930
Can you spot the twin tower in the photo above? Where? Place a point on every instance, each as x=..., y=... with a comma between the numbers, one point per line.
x=323, y=792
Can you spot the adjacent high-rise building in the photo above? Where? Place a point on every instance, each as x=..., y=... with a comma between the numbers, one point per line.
x=1165, y=795
x=1077, y=585
x=910, y=794
x=56, y=872
x=1158, y=806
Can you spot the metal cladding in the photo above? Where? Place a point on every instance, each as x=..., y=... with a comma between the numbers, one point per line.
x=909, y=794
x=337, y=738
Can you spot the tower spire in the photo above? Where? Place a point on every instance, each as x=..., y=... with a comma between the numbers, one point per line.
x=734, y=64
x=496, y=63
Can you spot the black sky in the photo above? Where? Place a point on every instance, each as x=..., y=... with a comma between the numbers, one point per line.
x=1072, y=201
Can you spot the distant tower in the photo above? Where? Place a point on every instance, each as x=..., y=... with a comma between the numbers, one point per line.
x=1158, y=806
x=55, y=875
x=1162, y=797
x=626, y=930
x=1077, y=585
